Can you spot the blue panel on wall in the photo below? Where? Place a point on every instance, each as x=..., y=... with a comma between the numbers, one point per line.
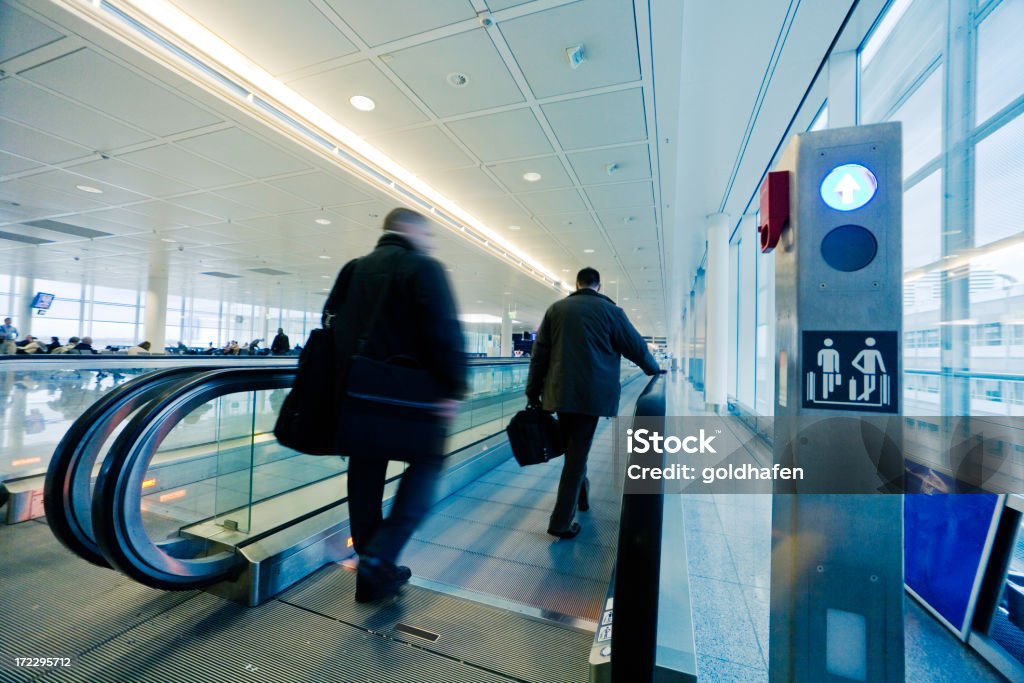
x=944, y=544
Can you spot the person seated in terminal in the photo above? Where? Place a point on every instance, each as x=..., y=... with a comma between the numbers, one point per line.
x=67, y=348
x=181, y=348
x=53, y=345
x=141, y=349
x=281, y=344
x=30, y=345
x=254, y=347
x=231, y=348
x=84, y=346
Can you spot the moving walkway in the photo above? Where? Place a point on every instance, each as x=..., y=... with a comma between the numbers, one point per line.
x=491, y=590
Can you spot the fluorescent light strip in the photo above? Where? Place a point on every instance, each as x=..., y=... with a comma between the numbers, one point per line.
x=405, y=184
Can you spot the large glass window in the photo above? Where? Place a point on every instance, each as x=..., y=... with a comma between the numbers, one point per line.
x=922, y=222
x=999, y=177
x=1000, y=59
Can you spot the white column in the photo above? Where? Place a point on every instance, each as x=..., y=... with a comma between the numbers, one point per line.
x=506, y=335
x=716, y=368
x=155, y=326
x=25, y=291
x=842, y=89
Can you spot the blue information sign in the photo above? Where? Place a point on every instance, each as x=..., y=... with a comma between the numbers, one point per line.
x=848, y=187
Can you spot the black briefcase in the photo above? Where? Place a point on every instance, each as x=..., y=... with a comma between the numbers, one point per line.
x=535, y=436
x=306, y=422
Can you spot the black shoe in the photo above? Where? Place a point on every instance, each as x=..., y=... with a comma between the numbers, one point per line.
x=573, y=530
x=584, y=500
x=377, y=580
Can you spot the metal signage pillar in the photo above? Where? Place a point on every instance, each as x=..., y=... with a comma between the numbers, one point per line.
x=831, y=217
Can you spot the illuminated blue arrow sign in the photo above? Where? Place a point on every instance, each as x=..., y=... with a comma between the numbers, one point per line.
x=848, y=187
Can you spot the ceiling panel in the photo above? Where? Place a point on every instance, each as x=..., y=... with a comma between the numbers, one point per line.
x=553, y=175
x=216, y=205
x=605, y=28
x=20, y=33
x=244, y=152
x=464, y=182
x=67, y=182
x=283, y=36
x=621, y=195
x=111, y=87
x=332, y=89
x=174, y=162
x=30, y=143
x=631, y=162
x=161, y=214
x=36, y=199
x=10, y=164
x=498, y=5
x=322, y=189
x=552, y=201
x=506, y=135
x=403, y=17
x=621, y=119
x=426, y=69
x=48, y=113
x=422, y=149
x=264, y=198
x=569, y=222
x=129, y=177
x=484, y=208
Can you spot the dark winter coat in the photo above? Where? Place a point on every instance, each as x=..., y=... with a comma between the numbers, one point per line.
x=576, y=358
x=416, y=318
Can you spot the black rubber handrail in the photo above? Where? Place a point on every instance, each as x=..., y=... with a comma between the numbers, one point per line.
x=67, y=491
x=638, y=562
x=117, y=501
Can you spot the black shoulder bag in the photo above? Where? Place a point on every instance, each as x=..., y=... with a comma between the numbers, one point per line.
x=389, y=408
x=308, y=418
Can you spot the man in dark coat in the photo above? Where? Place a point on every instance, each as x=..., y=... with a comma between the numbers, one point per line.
x=574, y=370
x=403, y=293
x=281, y=344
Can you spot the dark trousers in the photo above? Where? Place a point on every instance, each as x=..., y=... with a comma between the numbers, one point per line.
x=578, y=432
x=371, y=533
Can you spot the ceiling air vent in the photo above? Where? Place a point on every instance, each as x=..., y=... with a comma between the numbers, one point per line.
x=25, y=239
x=68, y=229
x=217, y=273
x=269, y=271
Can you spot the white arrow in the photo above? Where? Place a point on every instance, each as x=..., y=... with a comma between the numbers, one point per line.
x=846, y=189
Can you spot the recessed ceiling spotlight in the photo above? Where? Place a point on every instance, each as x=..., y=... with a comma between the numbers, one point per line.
x=324, y=257
x=323, y=221
x=457, y=79
x=326, y=277
x=565, y=270
x=531, y=176
x=90, y=189
x=588, y=251
x=612, y=282
x=362, y=103
x=167, y=239
x=514, y=227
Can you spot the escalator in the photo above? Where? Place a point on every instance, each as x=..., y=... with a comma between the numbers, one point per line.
x=249, y=520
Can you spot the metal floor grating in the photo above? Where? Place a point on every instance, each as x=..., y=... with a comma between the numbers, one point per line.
x=490, y=537
x=209, y=639
x=492, y=639
x=57, y=605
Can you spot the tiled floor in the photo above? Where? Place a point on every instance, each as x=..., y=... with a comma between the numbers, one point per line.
x=728, y=541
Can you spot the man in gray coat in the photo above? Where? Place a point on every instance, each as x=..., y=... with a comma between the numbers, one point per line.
x=574, y=370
